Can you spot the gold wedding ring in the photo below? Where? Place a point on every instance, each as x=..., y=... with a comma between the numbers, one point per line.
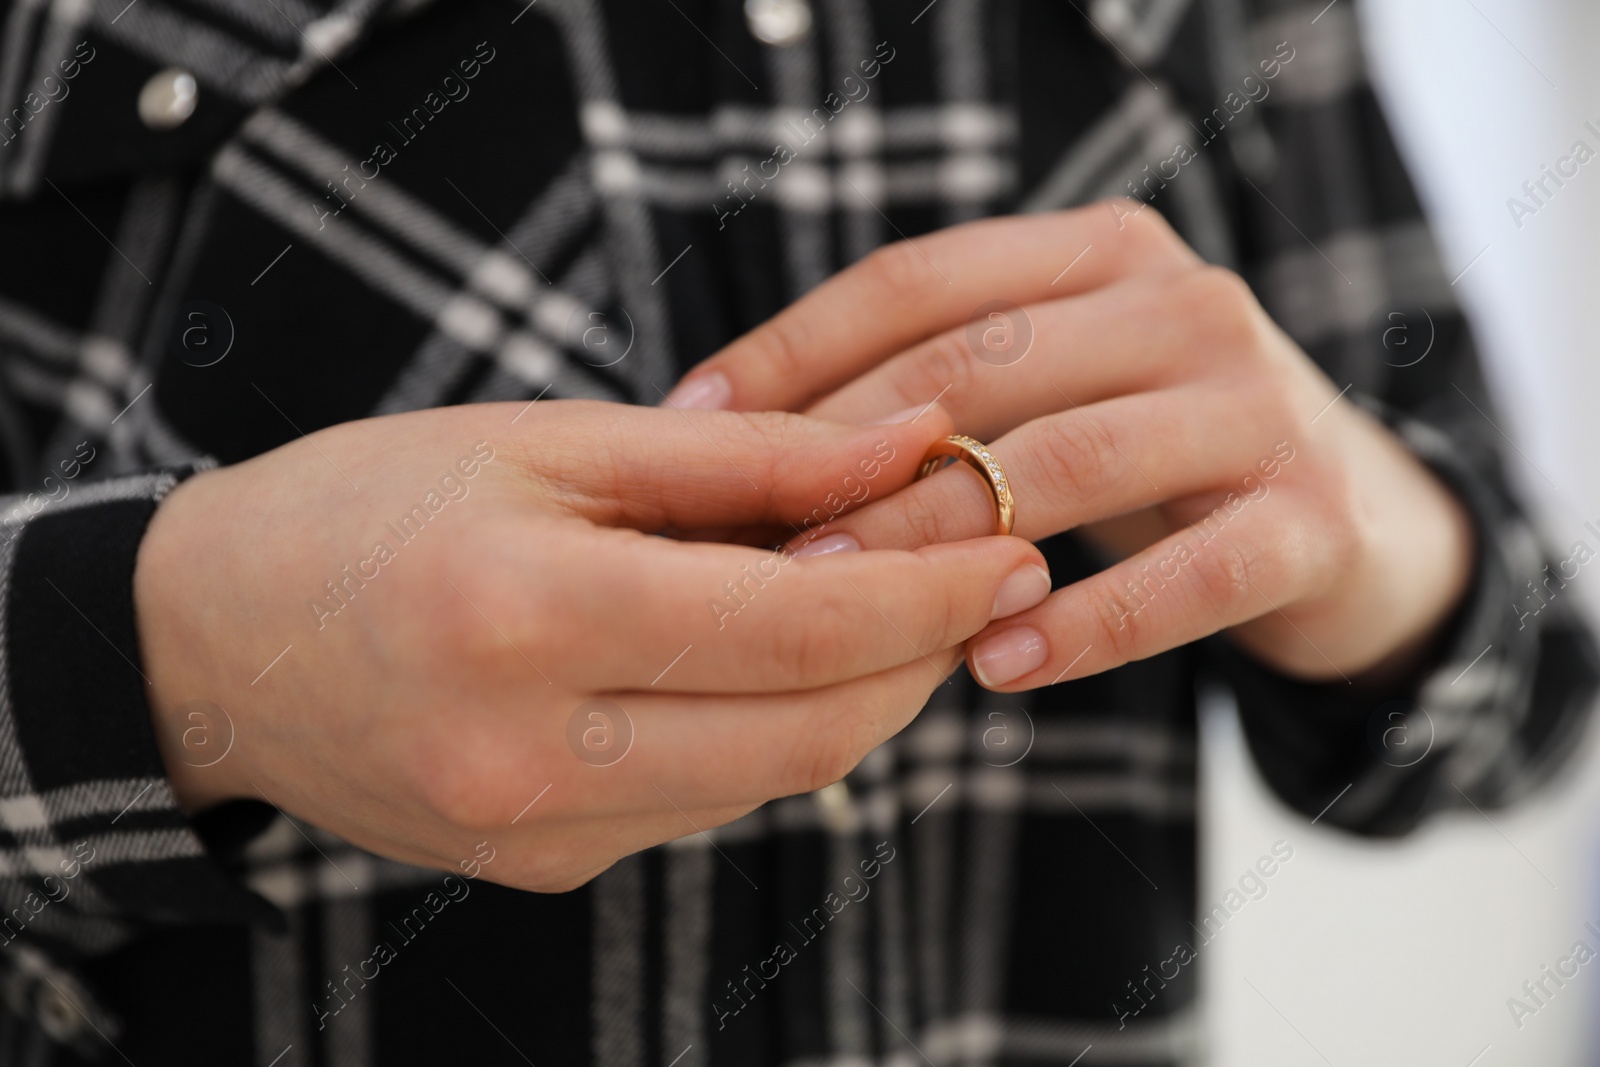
x=977, y=456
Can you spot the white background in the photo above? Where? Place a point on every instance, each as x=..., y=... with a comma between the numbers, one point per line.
x=1370, y=953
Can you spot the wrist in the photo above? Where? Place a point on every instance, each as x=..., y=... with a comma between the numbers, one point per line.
x=1430, y=546
x=193, y=730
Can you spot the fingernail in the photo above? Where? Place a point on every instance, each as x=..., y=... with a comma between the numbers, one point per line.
x=1025, y=587
x=900, y=416
x=827, y=546
x=1009, y=655
x=706, y=392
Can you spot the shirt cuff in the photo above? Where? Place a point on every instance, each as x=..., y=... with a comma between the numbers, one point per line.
x=92, y=841
x=1484, y=721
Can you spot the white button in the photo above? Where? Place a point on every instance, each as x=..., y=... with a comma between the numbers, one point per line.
x=779, y=23
x=1114, y=18
x=168, y=99
x=837, y=808
x=57, y=1016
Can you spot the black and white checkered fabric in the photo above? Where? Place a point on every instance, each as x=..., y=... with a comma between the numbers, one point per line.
x=407, y=204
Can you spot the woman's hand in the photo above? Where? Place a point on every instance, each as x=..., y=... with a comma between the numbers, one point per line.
x=449, y=590
x=1159, y=409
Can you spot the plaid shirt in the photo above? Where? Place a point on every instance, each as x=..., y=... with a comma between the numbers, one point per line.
x=382, y=206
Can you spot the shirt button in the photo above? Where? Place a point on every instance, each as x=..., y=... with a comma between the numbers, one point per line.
x=779, y=23
x=837, y=808
x=1112, y=17
x=168, y=99
x=57, y=1016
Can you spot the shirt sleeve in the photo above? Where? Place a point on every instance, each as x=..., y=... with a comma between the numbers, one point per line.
x=1514, y=671
x=94, y=843
x=1500, y=703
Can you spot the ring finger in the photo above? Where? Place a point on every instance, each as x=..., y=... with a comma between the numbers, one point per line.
x=1083, y=465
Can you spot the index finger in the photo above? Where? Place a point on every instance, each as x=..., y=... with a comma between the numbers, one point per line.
x=907, y=292
x=615, y=610
x=653, y=469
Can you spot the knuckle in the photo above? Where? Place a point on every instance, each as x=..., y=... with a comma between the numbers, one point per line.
x=1274, y=399
x=461, y=634
x=1222, y=572
x=1148, y=225
x=556, y=866
x=1116, y=622
x=1350, y=538
x=830, y=757
x=941, y=612
x=833, y=750
x=1342, y=538
x=951, y=618
x=563, y=882
x=944, y=363
x=1222, y=307
x=1075, y=453
x=1142, y=230
x=929, y=520
x=781, y=345
x=773, y=433
x=927, y=524
x=762, y=440
x=899, y=270
x=456, y=773
x=461, y=601
x=817, y=645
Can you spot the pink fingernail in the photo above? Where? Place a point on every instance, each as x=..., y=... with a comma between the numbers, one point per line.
x=705, y=392
x=1009, y=655
x=900, y=416
x=827, y=546
x=1022, y=589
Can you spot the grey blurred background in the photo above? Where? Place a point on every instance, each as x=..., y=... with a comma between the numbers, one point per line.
x=1369, y=953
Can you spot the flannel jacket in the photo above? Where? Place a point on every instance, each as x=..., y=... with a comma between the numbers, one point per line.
x=227, y=223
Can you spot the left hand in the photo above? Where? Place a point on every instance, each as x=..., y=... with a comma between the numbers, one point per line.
x=1158, y=410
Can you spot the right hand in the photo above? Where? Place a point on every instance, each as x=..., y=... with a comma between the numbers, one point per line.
x=429, y=710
